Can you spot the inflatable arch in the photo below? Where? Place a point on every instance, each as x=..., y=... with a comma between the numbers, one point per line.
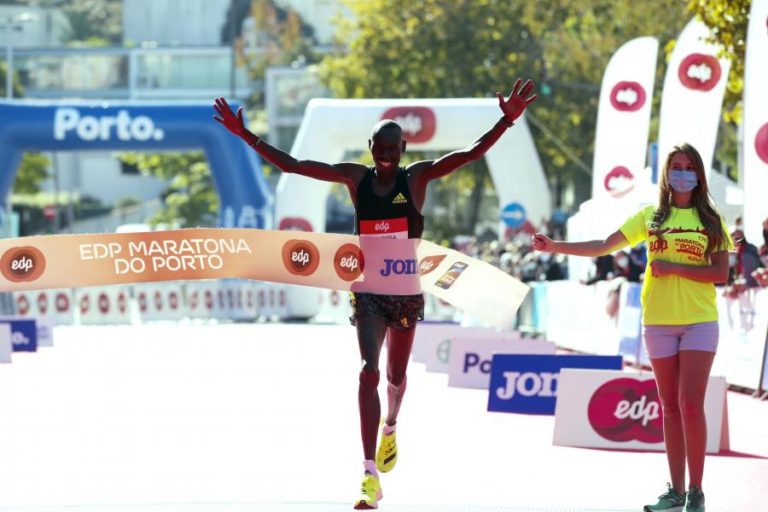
x=246, y=200
x=332, y=127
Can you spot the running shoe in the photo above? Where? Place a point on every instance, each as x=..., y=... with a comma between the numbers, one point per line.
x=386, y=455
x=694, y=501
x=370, y=493
x=670, y=501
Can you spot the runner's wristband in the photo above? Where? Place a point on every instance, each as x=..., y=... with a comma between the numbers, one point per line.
x=251, y=139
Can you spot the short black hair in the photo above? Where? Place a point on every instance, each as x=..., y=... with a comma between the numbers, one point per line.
x=386, y=124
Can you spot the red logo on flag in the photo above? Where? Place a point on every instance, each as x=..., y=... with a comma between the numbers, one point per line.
x=627, y=96
x=761, y=143
x=619, y=182
x=699, y=72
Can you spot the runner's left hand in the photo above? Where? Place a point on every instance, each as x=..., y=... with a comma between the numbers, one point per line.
x=518, y=100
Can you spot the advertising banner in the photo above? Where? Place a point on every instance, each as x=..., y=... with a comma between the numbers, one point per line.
x=615, y=409
x=692, y=98
x=743, y=331
x=6, y=347
x=529, y=383
x=23, y=335
x=338, y=262
x=470, y=360
x=623, y=118
x=755, y=123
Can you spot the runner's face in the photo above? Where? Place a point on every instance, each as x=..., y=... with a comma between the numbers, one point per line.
x=386, y=149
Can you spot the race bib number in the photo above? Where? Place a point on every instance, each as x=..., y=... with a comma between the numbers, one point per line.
x=385, y=228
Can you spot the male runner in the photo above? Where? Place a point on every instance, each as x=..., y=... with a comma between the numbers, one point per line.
x=384, y=192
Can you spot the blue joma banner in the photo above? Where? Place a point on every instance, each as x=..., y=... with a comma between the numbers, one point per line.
x=528, y=383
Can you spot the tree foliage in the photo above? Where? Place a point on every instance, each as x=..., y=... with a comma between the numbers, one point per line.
x=190, y=199
x=283, y=38
x=33, y=170
x=472, y=48
x=95, y=22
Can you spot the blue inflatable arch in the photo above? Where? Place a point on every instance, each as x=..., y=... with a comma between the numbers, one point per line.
x=246, y=200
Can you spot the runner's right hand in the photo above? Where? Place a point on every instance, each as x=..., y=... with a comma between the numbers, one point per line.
x=232, y=122
x=542, y=243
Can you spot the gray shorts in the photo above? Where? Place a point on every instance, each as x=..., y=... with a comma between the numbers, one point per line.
x=668, y=340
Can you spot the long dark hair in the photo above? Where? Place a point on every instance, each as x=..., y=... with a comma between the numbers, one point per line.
x=700, y=199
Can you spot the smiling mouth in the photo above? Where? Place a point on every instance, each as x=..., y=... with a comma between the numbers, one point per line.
x=384, y=162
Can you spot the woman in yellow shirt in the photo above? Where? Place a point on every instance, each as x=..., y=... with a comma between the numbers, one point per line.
x=687, y=254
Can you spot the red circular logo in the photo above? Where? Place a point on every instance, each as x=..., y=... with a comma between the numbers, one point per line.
x=158, y=301
x=208, y=300
x=173, y=300
x=103, y=303
x=143, y=302
x=619, y=182
x=699, y=72
x=85, y=304
x=301, y=257
x=193, y=298
x=20, y=264
x=121, y=302
x=626, y=409
x=418, y=123
x=22, y=304
x=627, y=96
x=349, y=262
x=42, y=303
x=62, y=302
x=761, y=143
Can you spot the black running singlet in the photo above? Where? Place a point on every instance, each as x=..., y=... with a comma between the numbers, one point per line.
x=390, y=216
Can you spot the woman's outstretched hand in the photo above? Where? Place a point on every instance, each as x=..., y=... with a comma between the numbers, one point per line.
x=518, y=100
x=542, y=243
x=231, y=121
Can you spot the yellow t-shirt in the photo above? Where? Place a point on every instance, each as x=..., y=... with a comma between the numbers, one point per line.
x=674, y=300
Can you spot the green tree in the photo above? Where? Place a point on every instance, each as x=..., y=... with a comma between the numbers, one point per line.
x=18, y=90
x=463, y=48
x=33, y=170
x=282, y=38
x=95, y=22
x=190, y=199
